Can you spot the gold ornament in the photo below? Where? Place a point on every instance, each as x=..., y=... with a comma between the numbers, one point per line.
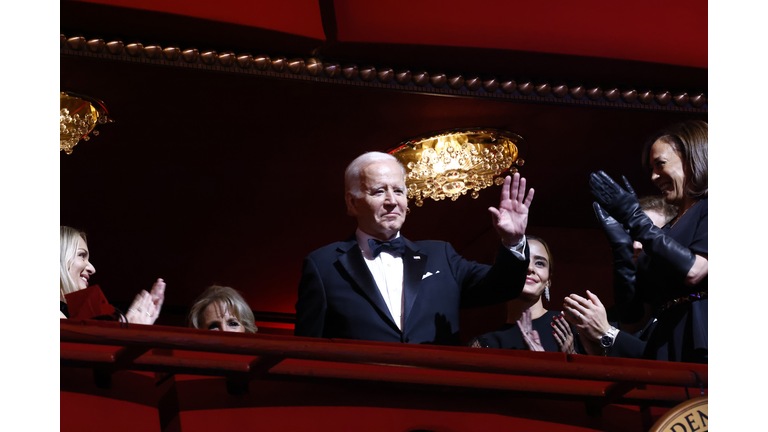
x=448, y=164
x=78, y=117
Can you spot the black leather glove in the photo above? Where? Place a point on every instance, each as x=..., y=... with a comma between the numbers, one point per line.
x=618, y=202
x=618, y=238
x=629, y=305
x=624, y=206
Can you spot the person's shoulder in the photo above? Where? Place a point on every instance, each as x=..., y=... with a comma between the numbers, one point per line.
x=699, y=211
x=331, y=249
x=432, y=246
x=703, y=206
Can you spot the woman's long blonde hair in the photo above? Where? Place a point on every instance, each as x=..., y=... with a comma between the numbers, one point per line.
x=70, y=238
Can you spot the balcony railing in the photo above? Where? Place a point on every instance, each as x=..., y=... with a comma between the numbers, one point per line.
x=246, y=361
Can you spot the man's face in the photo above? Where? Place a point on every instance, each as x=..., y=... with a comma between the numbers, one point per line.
x=381, y=210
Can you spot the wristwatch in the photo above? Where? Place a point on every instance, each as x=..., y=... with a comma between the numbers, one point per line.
x=608, y=338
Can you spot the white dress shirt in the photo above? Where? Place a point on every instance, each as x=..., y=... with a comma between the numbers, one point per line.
x=387, y=272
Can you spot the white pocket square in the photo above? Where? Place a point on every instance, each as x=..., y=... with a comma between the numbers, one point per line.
x=429, y=274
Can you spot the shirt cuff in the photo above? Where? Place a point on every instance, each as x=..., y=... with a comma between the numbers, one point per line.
x=519, y=249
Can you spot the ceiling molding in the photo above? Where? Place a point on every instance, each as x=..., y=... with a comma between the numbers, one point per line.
x=487, y=86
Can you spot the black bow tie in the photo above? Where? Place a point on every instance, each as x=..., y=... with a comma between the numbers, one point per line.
x=394, y=245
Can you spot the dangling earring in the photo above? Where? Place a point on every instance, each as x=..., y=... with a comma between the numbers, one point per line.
x=546, y=292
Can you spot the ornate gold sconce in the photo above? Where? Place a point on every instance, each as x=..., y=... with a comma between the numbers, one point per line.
x=78, y=116
x=448, y=164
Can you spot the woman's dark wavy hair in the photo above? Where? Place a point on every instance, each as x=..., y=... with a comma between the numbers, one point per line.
x=689, y=140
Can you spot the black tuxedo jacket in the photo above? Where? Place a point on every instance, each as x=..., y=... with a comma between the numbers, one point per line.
x=338, y=297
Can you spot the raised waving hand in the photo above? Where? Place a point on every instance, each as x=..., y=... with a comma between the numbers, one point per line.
x=511, y=218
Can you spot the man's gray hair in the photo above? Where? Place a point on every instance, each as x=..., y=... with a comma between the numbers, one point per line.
x=352, y=174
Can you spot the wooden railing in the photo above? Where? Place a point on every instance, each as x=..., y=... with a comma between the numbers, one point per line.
x=243, y=359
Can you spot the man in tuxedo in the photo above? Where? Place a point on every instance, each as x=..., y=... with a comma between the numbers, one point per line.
x=379, y=286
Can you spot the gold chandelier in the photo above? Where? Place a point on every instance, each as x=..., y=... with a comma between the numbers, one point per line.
x=448, y=164
x=78, y=116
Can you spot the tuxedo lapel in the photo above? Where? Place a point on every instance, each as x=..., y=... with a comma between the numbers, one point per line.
x=353, y=262
x=414, y=264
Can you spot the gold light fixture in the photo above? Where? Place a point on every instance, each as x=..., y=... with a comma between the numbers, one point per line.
x=78, y=116
x=448, y=164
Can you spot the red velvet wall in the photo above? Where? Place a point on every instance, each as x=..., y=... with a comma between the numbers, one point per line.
x=661, y=31
x=643, y=30
x=299, y=17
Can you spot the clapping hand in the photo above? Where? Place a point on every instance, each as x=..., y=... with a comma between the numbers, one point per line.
x=146, y=307
x=563, y=335
x=511, y=218
x=619, y=203
x=158, y=296
x=530, y=336
x=587, y=315
x=614, y=231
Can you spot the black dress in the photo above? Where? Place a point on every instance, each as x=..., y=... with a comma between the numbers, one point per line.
x=681, y=330
x=508, y=336
x=63, y=308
